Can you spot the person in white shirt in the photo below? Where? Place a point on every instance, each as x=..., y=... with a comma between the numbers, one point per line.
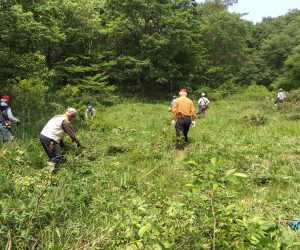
x=203, y=103
x=280, y=97
x=52, y=136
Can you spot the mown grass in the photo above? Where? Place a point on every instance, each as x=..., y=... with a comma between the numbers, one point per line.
x=128, y=188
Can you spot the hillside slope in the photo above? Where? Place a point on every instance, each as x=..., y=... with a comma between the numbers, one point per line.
x=233, y=186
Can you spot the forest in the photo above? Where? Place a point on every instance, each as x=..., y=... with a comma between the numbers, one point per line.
x=233, y=187
x=60, y=51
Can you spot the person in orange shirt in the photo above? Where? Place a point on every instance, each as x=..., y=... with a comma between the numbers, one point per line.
x=184, y=113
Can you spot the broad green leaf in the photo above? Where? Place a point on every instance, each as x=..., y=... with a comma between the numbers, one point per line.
x=132, y=247
x=214, y=161
x=139, y=244
x=229, y=208
x=230, y=172
x=215, y=186
x=193, y=163
x=206, y=246
x=144, y=229
x=295, y=244
x=167, y=244
x=57, y=232
x=156, y=247
x=240, y=175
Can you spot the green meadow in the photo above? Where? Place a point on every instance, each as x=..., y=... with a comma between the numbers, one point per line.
x=234, y=185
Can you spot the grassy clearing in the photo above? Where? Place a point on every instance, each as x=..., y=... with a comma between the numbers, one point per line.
x=232, y=187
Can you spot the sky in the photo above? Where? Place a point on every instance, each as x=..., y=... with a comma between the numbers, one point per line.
x=258, y=9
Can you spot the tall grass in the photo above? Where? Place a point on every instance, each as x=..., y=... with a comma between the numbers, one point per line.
x=130, y=188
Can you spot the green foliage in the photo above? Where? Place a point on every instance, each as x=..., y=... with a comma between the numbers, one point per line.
x=274, y=40
x=225, y=90
x=29, y=104
x=290, y=79
x=224, y=37
x=130, y=188
x=214, y=192
x=149, y=48
x=68, y=94
x=256, y=92
x=31, y=95
x=255, y=120
x=98, y=87
x=294, y=96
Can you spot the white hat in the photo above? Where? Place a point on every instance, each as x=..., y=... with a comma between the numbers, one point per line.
x=71, y=111
x=203, y=94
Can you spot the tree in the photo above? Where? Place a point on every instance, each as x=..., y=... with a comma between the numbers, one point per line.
x=274, y=40
x=290, y=79
x=154, y=44
x=225, y=39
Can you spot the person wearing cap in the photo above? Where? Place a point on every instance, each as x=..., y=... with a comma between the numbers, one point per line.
x=90, y=112
x=203, y=103
x=51, y=136
x=6, y=117
x=184, y=113
x=280, y=97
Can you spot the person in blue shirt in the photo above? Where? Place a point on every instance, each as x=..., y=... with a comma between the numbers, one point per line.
x=90, y=112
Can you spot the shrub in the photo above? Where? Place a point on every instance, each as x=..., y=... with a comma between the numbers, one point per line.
x=31, y=96
x=67, y=95
x=30, y=103
x=225, y=90
x=256, y=92
x=294, y=96
x=255, y=120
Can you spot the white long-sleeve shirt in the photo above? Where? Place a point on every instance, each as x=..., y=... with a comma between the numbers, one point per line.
x=203, y=101
x=281, y=96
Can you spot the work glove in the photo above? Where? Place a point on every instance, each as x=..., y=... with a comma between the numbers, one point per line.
x=193, y=123
x=294, y=224
x=173, y=122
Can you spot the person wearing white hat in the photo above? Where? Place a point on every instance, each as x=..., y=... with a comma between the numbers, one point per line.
x=203, y=104
x=51, y=136
x=280, y=97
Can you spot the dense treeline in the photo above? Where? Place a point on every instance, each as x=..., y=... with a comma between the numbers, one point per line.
x=68, y=49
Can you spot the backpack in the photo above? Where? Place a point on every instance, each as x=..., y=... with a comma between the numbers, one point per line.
x=3, y=117
x=3, y=114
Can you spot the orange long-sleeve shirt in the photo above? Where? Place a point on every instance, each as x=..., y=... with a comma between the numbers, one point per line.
x=184, y=106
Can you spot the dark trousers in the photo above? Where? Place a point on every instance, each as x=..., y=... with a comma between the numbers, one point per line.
x=182, y=126
x=277, y=100
x=6, y=133
x=52, y=149
x=202, y=110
